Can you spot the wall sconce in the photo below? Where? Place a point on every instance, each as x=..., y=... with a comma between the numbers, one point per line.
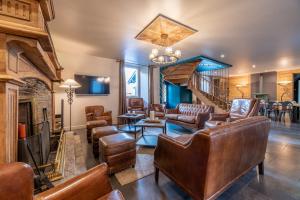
x=239, y=87
x=284, y=85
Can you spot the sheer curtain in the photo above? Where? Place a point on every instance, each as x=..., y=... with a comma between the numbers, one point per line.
x=150, y=83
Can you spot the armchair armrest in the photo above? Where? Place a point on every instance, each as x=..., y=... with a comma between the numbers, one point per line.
x=183, y=162
x=107, y=113
x=16, y=181
x=201, y=118
x=219, y=116
x=89, y=116
x=171, y=111
x=90, y=185
x=167, y=145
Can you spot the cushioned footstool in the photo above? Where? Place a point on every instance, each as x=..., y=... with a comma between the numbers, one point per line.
x=93, y=124
x=118, y=151
x=100, y=132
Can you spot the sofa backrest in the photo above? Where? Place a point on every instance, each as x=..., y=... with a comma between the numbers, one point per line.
x=233, y=150
x=194, y=109
x=93, y=111
x=136, y=103
x=241, y=108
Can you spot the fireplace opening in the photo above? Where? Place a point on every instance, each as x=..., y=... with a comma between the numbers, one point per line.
x=34, y=97
x=26, y=116
x=35, y=111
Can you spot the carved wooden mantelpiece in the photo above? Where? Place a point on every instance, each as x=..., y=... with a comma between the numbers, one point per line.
x=26, y=51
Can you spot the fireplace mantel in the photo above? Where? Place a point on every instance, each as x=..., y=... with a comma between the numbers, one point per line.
x=26, y=51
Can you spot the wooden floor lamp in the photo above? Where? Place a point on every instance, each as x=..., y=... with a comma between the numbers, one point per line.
x=70, y=85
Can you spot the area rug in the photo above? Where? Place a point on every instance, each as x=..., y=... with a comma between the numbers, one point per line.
x=143, y=167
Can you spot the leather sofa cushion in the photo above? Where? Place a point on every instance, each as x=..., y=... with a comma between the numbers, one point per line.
x=117, y=143
x=95, y=123
x=213, y=124
x=103, y=131
x=187, y=119
x=184, y=139
x=159, y=114
x=114, y=195
x=103, y=117
x=172, y=116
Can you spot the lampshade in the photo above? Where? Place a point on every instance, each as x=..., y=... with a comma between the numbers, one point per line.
x=240, y=85
x=283, y=82
x=70, y=83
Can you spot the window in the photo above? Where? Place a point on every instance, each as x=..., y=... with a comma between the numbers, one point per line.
x=132, y=86
x=137, y=82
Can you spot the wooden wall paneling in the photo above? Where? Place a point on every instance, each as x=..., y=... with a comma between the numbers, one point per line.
x=236, y=80
x=22, y=12
x=286, y=76
x=3, y=64
x=9, y=122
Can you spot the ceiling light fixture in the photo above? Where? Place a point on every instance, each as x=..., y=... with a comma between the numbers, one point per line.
x=165, y=56
x=222, y=56
x=165, y=32
x=253, y=66
x=284, y=61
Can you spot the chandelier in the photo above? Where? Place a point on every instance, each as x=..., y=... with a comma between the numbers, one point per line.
x=164, y=56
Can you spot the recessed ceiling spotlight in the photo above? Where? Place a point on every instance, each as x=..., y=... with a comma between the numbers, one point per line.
x=253, y=66
x=222, y=56
x=284, y=61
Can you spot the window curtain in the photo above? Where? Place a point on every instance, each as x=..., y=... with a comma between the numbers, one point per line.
x=122, y=88
x=151, y=86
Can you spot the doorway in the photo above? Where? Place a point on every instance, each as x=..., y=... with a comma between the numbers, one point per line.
x=297, y=87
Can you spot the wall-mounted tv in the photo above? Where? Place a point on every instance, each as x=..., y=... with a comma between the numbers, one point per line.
x=92, y=85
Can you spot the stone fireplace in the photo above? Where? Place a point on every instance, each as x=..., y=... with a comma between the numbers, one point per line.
x=28, y=69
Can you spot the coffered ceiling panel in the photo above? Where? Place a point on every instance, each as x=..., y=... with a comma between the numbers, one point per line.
x=164, y=31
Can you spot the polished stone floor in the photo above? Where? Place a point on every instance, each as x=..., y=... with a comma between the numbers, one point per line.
x=281, y=180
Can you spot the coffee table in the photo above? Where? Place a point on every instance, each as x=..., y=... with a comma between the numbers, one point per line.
x=131, y=120
x=150, y=140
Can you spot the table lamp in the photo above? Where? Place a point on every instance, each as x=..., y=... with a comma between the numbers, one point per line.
x=70, y=85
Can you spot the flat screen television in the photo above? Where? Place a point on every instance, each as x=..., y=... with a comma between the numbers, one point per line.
x=92, y=85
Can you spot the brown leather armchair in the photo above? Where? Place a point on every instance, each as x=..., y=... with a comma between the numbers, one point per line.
x=191, y=116
x=16, y=182
x=136, y=105
x=240, y=109
x=159, y=110
x=202, y=170
x=96, y=117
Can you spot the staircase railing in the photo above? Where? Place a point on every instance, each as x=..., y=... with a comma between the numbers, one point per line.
x=206, y=84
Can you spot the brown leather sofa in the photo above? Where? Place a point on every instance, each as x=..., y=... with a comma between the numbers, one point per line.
x=16, y=182
x=96, y=117
x=240, y=109
x=159, y=110
x=191, y=116
x=212, y=159
x=136, y=105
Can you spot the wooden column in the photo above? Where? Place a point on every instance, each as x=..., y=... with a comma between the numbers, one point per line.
x=26, y=50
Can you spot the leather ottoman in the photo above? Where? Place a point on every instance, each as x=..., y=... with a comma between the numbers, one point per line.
x=93, y=124
x=118, y=151
x=99, y=132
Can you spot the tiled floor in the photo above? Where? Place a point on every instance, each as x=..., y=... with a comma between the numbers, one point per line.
x=281, y=180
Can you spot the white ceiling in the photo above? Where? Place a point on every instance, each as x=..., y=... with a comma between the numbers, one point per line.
x=261, y=32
